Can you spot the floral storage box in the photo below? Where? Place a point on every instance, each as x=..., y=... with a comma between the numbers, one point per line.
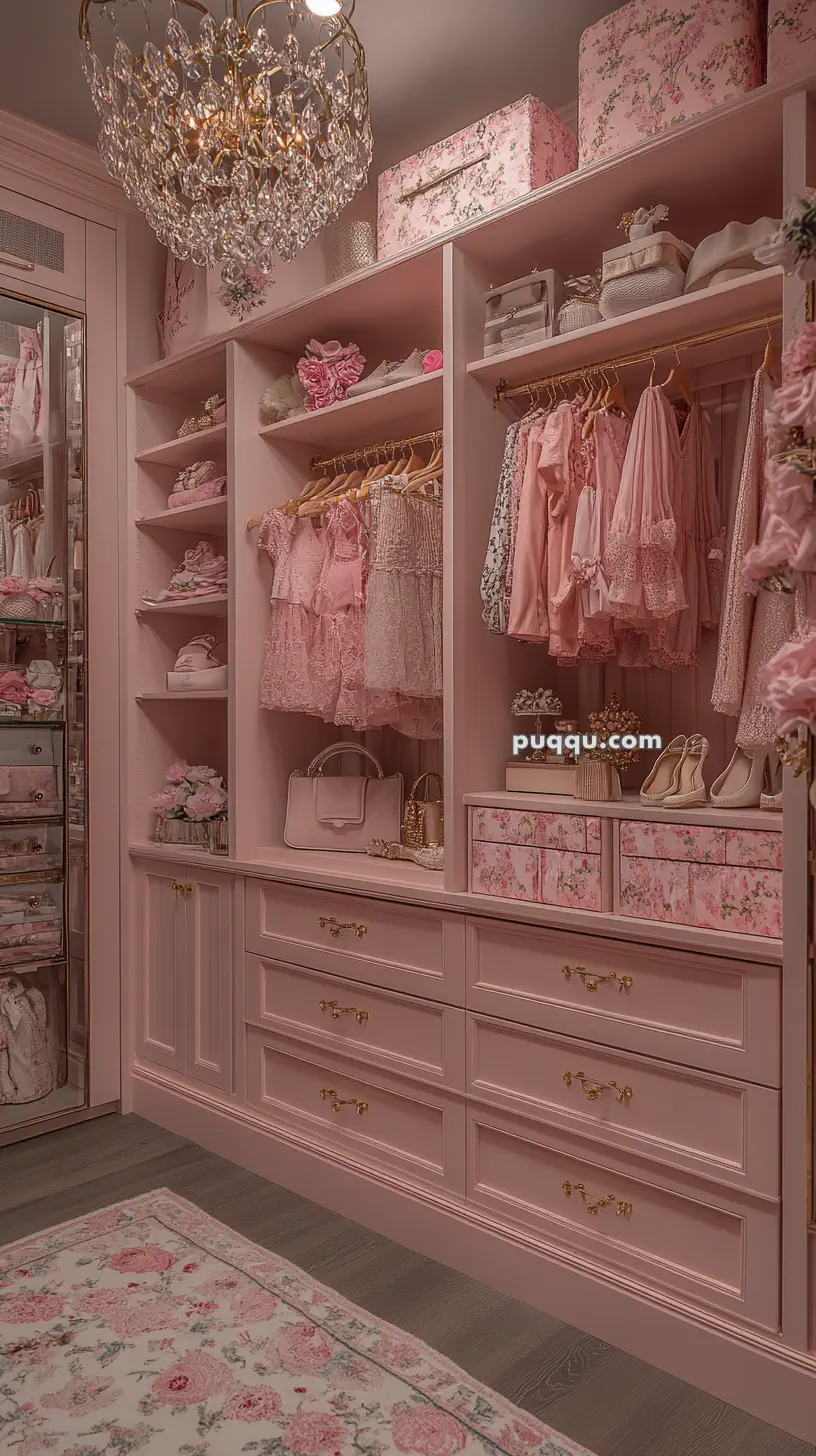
x=655, y=63
x=456, y=181
x=713, y=878
x=543, y=858
x=791, y=37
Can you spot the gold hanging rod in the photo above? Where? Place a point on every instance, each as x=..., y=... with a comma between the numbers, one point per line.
x=433, y=437
x=573, y=376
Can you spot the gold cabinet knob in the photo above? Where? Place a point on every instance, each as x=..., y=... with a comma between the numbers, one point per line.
x=338, y=1102
x=593, y=1091
x=591, y=981
x=182, y=889
x=361, y=1017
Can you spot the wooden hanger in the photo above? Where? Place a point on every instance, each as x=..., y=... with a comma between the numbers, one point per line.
x=768, y=361
x=615, y=398
x=678, y=378
x=595, y=404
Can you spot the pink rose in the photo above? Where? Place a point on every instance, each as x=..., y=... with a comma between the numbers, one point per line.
x=795, y=403
x=789, y=683
x=433, y=360
x=145, y=1259
x=253, y=1403
x=312, y=1432
x=193, y=1379
x=29, y=1309
x=428, y=1431
x=773, y=554
x=205, y=803
x=177, y=772
x=163, y=800
x=81, y=1396
x=302, y=1348
x=800, y=355
x=199, y=774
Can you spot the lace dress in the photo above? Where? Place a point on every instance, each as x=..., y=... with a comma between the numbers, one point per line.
x=403, y=616
x=645, y=583
x=301, y=672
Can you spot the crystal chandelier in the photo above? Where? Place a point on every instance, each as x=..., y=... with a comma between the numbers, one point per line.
x=237, y=144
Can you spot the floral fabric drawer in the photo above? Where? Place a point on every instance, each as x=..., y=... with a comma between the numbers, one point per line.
x=547, y=831
x=754, y=848
x=710, y=896
x=655, y=63
x=791, y=37
x=672, y=841
x=456, y=181
x=539, y=876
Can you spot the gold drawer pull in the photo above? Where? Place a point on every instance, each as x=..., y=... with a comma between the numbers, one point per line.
x=593, y=1205
x=592, y=982
x=441, y=177
x=594, y=1090
x=335, y=927
x=182, y=889
x=361, y=1017
x=337, y=1102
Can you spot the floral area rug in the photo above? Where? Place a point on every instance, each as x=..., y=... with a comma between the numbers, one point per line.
x=150, y=1327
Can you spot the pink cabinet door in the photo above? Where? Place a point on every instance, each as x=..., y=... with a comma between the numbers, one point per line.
x=161, y=959
x=185, y=957
x=209, y=981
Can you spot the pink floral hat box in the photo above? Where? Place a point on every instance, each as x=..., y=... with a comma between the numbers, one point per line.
x=655, y=63
x=496, y=160
x=791, y=37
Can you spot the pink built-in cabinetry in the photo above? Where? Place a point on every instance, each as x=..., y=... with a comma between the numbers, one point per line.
x=542, y=1081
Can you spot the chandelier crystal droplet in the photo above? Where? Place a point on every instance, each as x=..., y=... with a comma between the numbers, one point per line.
x=240, y=142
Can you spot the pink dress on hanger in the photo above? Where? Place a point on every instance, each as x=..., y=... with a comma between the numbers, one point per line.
x=645, y=583
x=301, y=672
x=562, y=468
x=529, y=612
x=530, y=427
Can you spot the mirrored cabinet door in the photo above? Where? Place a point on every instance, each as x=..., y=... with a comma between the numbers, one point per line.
x=43, y=862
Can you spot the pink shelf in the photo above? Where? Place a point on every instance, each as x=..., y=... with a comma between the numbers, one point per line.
x=629, y=807
x=348, y=871
x=11, y=465
x=196, y=607
x=209, y=516
x=402, y=409
x=711, y=309
x=214, y=697
x=186, y=449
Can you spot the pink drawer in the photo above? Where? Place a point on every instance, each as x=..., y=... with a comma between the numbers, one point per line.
x=395, y=946
x=716, y=1247
x=701, y=844
x=380, y=1122
x=577, y=832
x=712, y=897
x=708, y=1125
x=539, y=876
x=703, y=1011
x=423, y=1039
x=757, y=849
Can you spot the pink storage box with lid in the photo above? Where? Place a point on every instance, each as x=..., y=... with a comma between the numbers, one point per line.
x=791, y=37
x=650, y=65
x=456, y=181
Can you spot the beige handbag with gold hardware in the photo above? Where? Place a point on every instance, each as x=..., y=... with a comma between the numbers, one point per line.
x=424, y=823
x=342, y=811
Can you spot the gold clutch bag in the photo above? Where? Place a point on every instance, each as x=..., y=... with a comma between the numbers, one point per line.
x=424, y=822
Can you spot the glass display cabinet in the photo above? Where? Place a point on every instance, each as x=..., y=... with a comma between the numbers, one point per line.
x=43, y=860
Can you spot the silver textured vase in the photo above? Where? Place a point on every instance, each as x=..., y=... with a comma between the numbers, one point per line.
x=355, y=247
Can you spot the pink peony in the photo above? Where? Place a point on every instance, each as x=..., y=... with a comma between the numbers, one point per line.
x=29, y=1309
x=252, y=1403
x=773, y=554
x=81, y=1396
x=312, y=1432
x=205, y=803
x=302, y=1349
x=433, y=360
x=177, y=772
x=193, y=1379
x=199, y=774
x=789, y=683
x=800, y=356
x=327, y=370
x=428, y=1431
x=795, y=403
x=163, y=800
x=145, y=1259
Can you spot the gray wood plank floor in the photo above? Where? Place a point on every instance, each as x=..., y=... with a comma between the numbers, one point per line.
x=600, y=1397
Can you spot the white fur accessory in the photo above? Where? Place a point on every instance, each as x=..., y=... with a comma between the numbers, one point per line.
x=283, y=397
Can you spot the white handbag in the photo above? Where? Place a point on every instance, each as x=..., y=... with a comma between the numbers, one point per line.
x=342, y=812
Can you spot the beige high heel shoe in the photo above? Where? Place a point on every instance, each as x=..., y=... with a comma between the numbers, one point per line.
x=742, y=783
x=662, y=780
x=689, y=788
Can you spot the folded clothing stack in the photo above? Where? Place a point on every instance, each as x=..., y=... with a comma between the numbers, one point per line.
x=197, y=482
x=422, y=361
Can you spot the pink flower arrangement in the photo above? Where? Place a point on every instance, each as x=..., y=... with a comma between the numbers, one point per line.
x=433, y=360
x=192, y=791
x=800, y=356
x=789, y=683
x=326, y=372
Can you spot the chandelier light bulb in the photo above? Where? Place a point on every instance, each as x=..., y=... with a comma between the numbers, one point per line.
x=240, y=138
